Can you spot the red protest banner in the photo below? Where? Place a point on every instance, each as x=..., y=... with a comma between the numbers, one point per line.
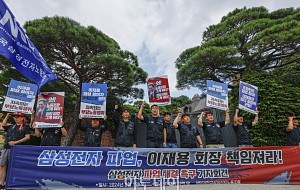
x=49, y=108
x=158, y=90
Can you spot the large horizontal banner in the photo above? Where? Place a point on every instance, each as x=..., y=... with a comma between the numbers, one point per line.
x=217, y=95
x=159, y=91
x=248, y=97
x=20, y=97
x=49, y=110
x=93, y=100
x=95, y=167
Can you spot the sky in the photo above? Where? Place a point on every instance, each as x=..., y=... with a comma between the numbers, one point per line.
x=156, y=31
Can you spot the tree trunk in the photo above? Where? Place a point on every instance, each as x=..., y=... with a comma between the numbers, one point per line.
x=68, y=140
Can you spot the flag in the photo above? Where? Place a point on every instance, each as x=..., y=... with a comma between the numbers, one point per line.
x=17, y=47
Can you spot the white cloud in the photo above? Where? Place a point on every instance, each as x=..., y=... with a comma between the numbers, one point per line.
x=162, y=29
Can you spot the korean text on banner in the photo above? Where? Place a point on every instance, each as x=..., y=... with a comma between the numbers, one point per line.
x=248, y=97
x=49, y=110
x=93, y=100
x=158, y=90
x=20, y=97
x=99, y=167
x=17, y=47
x=217, y=95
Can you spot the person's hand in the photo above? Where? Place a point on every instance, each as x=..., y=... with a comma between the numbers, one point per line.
x=143, y=104
x=178, y=109
x=79, y=116
x=1, y=115
x=291, y=118
x=257, y=112
x=202, y=114
x=9, y=115
x=62, y=124
x=237, y=110
x=165, y=145
x=179, y=115
x=134, y=146
x=227, y=110
x=34, y=124
x=32, y=112
x=201, y=145
x=116, y=107
x=12, y=143
x=105, y=117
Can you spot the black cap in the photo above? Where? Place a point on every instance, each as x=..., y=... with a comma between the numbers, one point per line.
x=185, y=115
x=124, y=110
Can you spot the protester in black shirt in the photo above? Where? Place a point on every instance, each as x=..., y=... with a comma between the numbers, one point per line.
x=16, y=134
x=189, y=134
x=125, y=130
x=169, y=132
x=51, y=136
x=242, y=133
x=93, y=132
x=212, y=130
x=292, y=132
x=154, y=126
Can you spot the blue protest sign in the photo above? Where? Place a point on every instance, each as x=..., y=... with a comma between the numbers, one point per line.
x=217, y=89
x=248, y=97
x=17, y=47
x=20, y=97
x=93, y=100
x=217, y=95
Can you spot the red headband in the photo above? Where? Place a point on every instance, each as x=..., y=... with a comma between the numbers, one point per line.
x=154, y=107
x=209, y=114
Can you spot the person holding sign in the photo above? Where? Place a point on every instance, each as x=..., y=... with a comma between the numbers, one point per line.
x=212, y=130
x=125, y=130
x=242, y=133
x=16, y=134
x=169, y=132
x=189, y=134
x=50, y=136
x=154, y=126
x=292, y=132
x=93, y=133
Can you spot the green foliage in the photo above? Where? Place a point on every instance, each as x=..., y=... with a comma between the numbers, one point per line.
x=78, y=54
x=277, y=100
x=246, y=41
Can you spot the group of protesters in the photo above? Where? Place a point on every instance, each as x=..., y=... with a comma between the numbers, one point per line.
x=160, y=131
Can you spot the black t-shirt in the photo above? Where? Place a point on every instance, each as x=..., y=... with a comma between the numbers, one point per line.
x=117, y=123
x=51, y=136
x=189, y=126
x=293, y=137
x=15, y=133
x=242, y=133
x=212, y=132
x=146, y=119
x=171, y=137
